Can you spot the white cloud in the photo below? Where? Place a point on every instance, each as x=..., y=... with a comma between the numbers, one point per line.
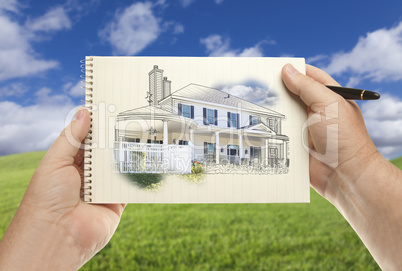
x=9, y=5
x=14, y=89
x=19, y=59
x=75, y=90
x=377, y=57
x=178, y=28
x=186, y=3
x=44, y=96
x=34, y=127
x=384, y=124
x=55, y=19
x=132, y=29
x=16, y=51
x=174, y=27
x=217, y=45
x=80, y=7
x=255, y=94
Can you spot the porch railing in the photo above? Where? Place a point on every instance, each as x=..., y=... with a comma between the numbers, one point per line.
x=133, y=157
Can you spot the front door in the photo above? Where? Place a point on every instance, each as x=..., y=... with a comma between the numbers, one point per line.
x=233, y=154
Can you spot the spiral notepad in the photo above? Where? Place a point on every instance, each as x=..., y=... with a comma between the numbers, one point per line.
x=193, y=130
x=88, y=76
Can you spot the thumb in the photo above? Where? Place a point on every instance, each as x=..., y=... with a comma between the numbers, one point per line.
x=69, y=141
x=311, y=92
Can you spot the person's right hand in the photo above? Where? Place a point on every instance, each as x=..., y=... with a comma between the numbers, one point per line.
x=347, y=169
x=338, y=140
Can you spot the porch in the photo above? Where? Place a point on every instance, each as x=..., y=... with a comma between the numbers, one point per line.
x=132, y=157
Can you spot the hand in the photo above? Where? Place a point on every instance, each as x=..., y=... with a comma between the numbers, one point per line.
x=363, y=185
x=53, y=228
x=349, y=134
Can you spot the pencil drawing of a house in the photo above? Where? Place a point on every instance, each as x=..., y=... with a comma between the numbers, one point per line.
x=198, y=123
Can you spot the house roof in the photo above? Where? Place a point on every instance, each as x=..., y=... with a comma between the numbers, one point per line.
x=207, y=94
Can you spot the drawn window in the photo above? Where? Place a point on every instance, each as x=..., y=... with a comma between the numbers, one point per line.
x=255, y=152
x=254, y=120
x=273, y=153
x=128, y=139
x=209, y=150
x=211, y=116
x=272, y=124
x=233, y=120
x=186, y=111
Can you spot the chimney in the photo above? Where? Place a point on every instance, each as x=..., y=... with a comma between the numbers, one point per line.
x=156, y=84
x=166, y=87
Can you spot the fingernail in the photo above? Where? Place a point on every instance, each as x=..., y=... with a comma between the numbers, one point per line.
x=291, y=70
x=78, y=115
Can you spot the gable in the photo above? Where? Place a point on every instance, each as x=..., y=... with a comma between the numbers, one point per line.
x=259, y=128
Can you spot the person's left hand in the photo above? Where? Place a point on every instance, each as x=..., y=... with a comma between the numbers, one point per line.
x=53, y=228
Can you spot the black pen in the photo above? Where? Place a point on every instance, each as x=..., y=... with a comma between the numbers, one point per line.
x=354, y=93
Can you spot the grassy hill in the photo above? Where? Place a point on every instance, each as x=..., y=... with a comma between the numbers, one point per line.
x=212, y=236
x=15, y=172
x=397, y=162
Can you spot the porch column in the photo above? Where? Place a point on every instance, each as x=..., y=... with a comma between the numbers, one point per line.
x=266, y=151
x=165, y=132
x=191, y=144
x=166, y=160
x=121, y=154
x=218, y=149
x=285, y=145
x=241, y=155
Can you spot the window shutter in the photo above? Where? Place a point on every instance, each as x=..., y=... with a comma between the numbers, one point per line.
x=205, y=148
x=179, y=109
x=251, y=119
x=216, y=117
x=214, y=148
x=228, y=119
x=204, y=115
x=192, y=111
x=238, y=121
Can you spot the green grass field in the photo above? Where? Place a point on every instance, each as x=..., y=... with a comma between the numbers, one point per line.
x=212, y=236
x=397, y=162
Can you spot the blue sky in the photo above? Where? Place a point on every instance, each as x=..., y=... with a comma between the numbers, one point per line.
x=42, y=42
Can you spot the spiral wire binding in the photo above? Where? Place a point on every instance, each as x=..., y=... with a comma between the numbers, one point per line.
x=86, y=69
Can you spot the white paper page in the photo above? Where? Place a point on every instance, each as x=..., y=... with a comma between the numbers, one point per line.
x=216, y=130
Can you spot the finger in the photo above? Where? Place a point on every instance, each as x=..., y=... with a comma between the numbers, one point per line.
x=320, y=76
x=69, y=141
x=116, y=208
x=312, y=92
